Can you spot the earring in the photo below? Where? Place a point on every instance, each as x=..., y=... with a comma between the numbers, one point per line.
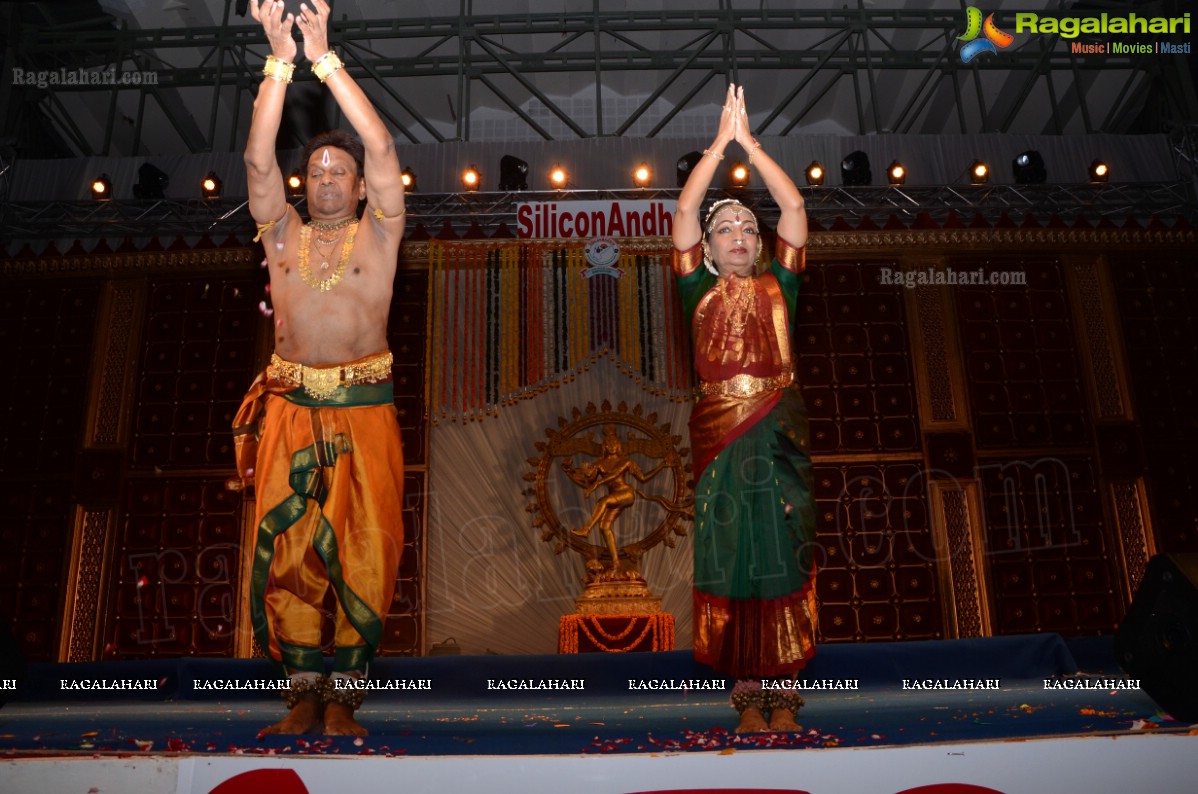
x=707, y=263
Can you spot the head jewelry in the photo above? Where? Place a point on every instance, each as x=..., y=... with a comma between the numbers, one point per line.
x=709, y=226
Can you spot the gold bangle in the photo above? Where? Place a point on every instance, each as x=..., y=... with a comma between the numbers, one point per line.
x=278, y=69
x=756, y=146
x=710, y=153
x=326, y=66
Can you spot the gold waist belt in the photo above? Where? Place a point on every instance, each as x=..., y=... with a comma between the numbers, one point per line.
x=322, y=382
x=745, y=385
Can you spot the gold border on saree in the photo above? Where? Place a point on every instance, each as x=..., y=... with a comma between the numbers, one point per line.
x=744, y=385
x=322, y=382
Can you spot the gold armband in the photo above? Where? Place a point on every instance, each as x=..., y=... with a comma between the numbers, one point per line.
x=327, y=65
x=278, y=69
x=379, y=216
x=263, y=228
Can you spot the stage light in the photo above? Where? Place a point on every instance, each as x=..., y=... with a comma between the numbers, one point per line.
x=979, y=173
x=815, y=174
x=1099, y=171
x=1028, y=168
x=210, y=186
x=513, y=173
x=855, y=170
x=896, y=174
x=471, y=178
x=641, y=175
x=686, y=164
x=558, y=177
x=738, y=175
x=151, y=182
x=409, y=180
x=102, y=188
x=295, y=183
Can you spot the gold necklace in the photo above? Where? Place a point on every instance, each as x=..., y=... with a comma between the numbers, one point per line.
x=325, y=284
x=738, y=306
x=324, y=255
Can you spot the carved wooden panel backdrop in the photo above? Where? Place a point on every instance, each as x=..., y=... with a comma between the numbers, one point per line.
x=45, y=356
x=176, y=551
x=1047, y=545
x=877, y=577
x=1158, y=304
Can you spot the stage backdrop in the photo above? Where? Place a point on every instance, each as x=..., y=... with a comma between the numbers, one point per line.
x=989, y=458
x=521, y=336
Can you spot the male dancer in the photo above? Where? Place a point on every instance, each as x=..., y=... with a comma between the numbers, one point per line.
x=318, y=430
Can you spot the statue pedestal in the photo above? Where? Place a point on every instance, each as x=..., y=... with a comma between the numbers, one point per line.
x=616, y=633
x=617, y=596
x=616, y=613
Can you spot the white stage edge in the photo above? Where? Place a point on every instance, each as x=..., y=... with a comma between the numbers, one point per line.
x=1092, y=764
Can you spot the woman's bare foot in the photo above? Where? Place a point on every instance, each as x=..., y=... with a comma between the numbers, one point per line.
x=304, y=717
x=752, y=721
x=339, y=721
x=783, y=720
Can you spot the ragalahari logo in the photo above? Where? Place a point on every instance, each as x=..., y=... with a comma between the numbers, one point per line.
x=994, y=40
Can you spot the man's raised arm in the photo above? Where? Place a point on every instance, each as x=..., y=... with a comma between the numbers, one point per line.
x=268, y=199
x=384, y=183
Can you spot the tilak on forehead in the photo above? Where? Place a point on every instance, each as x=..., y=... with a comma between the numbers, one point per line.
x=324, y=158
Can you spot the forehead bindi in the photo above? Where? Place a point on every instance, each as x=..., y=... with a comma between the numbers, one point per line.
x=738, y=216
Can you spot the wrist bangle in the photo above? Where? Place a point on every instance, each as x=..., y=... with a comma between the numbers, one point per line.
x=756, y=146
x=278, y=69
x=710, y=153
x=326, y=66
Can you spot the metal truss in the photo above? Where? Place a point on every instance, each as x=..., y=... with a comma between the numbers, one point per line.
x=405, y=66
x=468, y=213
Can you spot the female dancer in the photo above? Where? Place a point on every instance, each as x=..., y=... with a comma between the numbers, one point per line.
x=755, y=611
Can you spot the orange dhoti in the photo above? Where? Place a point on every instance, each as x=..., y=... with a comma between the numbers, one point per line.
x=328, y=473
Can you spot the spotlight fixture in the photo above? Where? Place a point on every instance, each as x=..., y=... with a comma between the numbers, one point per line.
x=855, y=170
x=558, y=177
x=641, y=175
x=1099, y=171
x=513, y=173
x=896, y=173
x=979, y=173
x=409, y=180
x=738, y=175
x=151, y=182
x=210, y=186
x=295, y=183
x=1028, y=168
x=102, y=188
x=686, y=164
x=471, y=178
x=815, y=174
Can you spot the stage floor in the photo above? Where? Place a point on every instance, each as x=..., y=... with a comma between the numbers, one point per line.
x=181, y=733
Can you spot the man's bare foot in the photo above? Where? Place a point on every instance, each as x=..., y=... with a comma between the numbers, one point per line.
x=304, y=717
x=783, y=720
x=752, y=721
x=339, y=721
x=581, y=532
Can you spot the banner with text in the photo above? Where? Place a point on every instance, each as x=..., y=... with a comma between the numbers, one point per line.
x=590, y=219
